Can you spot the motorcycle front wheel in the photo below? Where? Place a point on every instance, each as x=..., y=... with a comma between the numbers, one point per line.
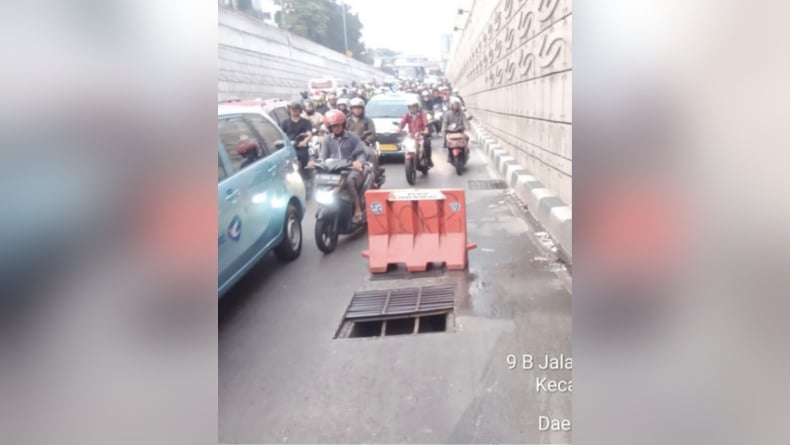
x=325, y=235
x=411, y=172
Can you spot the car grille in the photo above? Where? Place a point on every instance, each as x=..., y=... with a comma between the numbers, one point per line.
x=387, y=138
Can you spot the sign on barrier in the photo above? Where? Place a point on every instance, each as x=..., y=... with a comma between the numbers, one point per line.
x=416, y=228
x=415, y=195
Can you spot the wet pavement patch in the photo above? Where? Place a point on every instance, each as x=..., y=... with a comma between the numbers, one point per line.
x=404, y=311
x=398, y=271
x=486, y=184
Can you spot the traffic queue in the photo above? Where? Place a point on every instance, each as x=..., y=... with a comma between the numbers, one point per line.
x=328, y=146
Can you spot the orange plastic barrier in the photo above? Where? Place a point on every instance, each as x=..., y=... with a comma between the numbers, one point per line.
x=416, y=227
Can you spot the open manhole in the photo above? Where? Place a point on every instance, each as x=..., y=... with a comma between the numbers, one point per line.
x=398, y=271
x=487, y=184
x=384, y=312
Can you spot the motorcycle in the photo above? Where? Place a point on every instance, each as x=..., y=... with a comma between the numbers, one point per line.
x=414, y=157
x=458, y=144
x=315, y=143
x=335, y=206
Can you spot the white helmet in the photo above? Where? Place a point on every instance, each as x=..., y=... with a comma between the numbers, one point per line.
x=356, y=102
x=413, y=101
x=455, y=100
x=342, y=101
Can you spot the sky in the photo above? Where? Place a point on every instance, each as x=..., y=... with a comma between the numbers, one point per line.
x=414, y=27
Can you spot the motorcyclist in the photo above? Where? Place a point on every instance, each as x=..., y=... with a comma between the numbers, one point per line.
x=296, y=126
x=321, y=106
x=310, y=113
x=427, y=100
x=359, y=124
x=436, y=98
x=342, y=105
x=342, y=144
x=455, y=115
x=444, y=93
x=418, y=123
x=331, y=101
x=362, y=95
x=458, y=95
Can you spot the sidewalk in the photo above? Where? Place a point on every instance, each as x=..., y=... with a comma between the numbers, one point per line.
x=545, y=206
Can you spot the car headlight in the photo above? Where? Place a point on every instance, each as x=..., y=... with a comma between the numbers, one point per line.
x=324, y=197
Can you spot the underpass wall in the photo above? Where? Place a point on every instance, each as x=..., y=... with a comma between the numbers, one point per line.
x=512, y=65
x=260, y=60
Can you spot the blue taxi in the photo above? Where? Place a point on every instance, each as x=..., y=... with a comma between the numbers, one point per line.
x=261, y=195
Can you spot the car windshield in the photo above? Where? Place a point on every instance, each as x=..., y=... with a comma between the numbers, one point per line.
x=386, y=109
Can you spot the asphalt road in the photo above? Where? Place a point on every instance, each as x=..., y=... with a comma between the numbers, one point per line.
x=284, y=378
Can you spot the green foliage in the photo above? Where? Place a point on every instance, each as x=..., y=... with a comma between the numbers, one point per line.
x=322, y=22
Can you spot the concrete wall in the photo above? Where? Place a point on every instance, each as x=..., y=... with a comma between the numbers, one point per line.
x=512, y=65
x=259, y=60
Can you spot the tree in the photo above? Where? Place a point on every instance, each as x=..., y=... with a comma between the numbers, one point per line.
x=322, y=22
x=307, y=18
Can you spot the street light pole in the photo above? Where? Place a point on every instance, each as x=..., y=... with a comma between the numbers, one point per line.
x=345, y=36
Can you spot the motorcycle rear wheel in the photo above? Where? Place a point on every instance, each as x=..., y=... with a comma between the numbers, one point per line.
x=459, y=165
x=325, y=236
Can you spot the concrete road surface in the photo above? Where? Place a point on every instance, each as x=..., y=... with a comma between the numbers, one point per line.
x=283, y=378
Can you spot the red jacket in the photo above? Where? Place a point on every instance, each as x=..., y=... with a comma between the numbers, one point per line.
x=417, y=124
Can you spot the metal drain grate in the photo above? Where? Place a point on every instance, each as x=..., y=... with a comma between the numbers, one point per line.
x=487, y=184
x=412, y=310
x=399, y=271
x=410, y=300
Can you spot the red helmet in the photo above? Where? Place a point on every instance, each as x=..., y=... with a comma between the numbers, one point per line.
x=334, y=117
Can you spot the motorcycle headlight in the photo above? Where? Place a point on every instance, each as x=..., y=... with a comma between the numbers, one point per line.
x=324, y=197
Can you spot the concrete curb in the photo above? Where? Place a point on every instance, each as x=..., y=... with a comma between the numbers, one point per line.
x=551, y=212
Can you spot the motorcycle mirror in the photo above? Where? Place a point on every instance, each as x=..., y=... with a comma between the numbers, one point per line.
x=395, y=123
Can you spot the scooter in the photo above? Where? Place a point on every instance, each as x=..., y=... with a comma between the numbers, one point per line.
x=458, y=144
x=335, y=206
x=414, y=157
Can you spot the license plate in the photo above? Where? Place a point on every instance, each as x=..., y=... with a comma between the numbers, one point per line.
x=327, y=179
x=388, y=147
